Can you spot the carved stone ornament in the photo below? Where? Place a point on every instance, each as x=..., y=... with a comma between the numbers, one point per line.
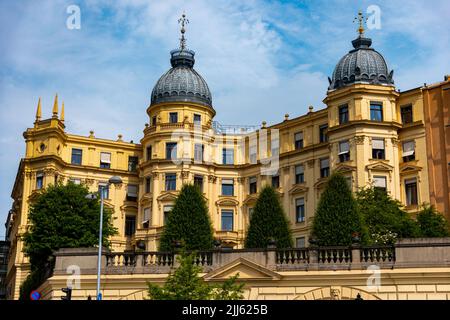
x=212, y=178
x=359, y=139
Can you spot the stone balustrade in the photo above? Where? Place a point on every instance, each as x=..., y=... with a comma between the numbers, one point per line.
x=406, y=253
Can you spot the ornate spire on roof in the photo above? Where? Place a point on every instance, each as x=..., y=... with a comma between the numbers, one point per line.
x=361, y=20
x=39, y=111
x=55, y=107
x=183, y=22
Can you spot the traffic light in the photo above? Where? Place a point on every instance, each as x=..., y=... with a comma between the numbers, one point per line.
x=68, y=292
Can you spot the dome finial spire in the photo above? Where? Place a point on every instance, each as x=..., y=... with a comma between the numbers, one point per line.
x=183, y=22
x=361, y=20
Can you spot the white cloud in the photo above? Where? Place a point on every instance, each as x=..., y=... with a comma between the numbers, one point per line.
x=261, y=59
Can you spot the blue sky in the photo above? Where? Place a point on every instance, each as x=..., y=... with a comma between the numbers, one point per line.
x=261, y=59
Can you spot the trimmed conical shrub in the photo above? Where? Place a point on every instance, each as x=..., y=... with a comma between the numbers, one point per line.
x=188, y=222
x=337, y=219
x=268, y=222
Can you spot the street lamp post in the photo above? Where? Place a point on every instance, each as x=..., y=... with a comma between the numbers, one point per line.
x=113, y=180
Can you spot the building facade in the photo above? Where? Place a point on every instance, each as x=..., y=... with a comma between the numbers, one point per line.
x=368, y=130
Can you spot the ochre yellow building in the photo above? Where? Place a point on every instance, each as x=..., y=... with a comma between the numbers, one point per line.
x=369, y=131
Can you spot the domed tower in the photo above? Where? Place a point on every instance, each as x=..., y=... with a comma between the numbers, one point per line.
x=181, y=114
x=363, y=119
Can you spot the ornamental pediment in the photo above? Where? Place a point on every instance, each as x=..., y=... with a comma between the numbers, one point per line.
x=250, y=199
x=406, y=168
x=227, y=201
x=298, y=188
x=246, y=269
x=342, y=168
x=167, y=196
x=379, y=166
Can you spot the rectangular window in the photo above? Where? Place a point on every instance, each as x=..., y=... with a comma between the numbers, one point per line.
x=298, y=140
x=154, y=120
x=198, y=152
x=197, y=119
x=146, y=217
x=132, y=163
x=227, y=220
x=411, y=192
x=378, y=149
x=252, y=185
x=299, y=174
x=408, y=152
x=103, y=187
x=379, y=182
x=132, y=192
x=276, y=181
x=300, y=242
x=343, y=114
x=198, y=181
x=149, y=153
x=75, y=180
x=344, y=151
x=166, y=211
x=171, y=181
x=173, y=117
x=300, y=210
x=105, y=160
x=227, y=156
x=323, y=137
x=407, y=114
x=148, y=181
x=227, y=187
x=171, y=150
x=376, y=111
x=130, y=225
x=324, y=168
x=39, y=180
x=77, y=155
x=252, y=152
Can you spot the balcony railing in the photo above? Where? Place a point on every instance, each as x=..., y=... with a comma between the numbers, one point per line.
x=411, y=253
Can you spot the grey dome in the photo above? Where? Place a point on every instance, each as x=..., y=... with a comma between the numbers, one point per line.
x=181, y=83
x=361, y=65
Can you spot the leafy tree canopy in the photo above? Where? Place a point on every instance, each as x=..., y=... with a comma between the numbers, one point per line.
x=186, y=284
x=384, y=215
x=432, y=223
x=62, y=217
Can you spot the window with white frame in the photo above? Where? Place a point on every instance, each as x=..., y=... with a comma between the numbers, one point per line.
x=298, y=140
x=379, y=182
x=132, y=192
x=146, y=216
x=408, y=151
x=300, y=210
x=105, y=160
x=411, y=192
x=299, y=174
x=378, y=148
x=344, y=151
x=39, y=180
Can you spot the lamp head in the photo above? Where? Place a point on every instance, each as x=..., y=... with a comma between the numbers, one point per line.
x=115, y=180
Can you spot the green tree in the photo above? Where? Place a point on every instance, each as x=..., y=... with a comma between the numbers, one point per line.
x=337, y=219
x=186, y=284
x=432, y=223
x=61, y=217
x=384, y=216
x=188, y=222
x=268, y=222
